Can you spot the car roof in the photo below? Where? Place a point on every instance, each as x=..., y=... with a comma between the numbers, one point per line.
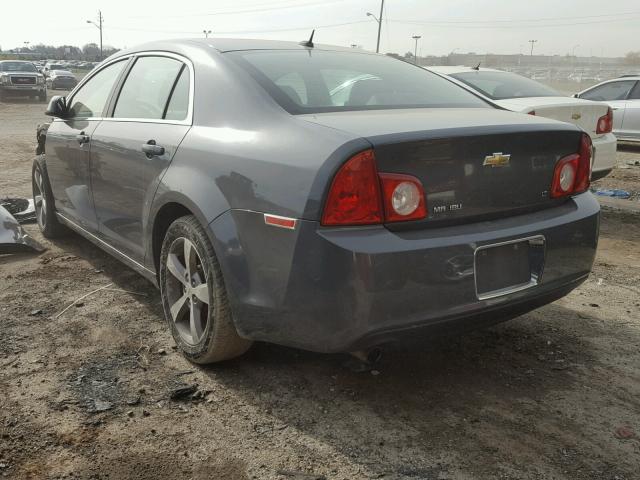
x=232, y=44
x=451, y=69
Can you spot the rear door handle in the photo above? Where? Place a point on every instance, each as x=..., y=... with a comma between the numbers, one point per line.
x=82, y=138
x=152, y=150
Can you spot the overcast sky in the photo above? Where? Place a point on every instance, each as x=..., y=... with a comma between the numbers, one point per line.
x=593, y=27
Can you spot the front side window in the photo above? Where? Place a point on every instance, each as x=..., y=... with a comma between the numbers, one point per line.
x=91, y=99
x=312, y=81
x=503, y=85
x=610, y=91
x=146, y=90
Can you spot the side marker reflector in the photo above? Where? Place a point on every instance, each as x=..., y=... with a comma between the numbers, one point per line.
x=282, y=222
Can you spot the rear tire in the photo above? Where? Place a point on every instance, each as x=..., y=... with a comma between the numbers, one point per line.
x=194, y=297
x=43, y=199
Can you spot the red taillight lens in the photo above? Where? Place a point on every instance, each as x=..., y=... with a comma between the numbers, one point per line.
x=532, y=112
x=403, y=197
x=354, y=197
x=360, y=196
x=573, y=172
x=605, y=122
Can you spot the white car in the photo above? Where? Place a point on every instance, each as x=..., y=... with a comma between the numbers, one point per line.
x=520, y=94
x=622, y=94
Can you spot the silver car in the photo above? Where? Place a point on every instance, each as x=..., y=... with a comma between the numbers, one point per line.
x=623, y=96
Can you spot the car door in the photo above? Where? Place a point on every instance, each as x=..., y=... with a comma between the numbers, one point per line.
x=68, y=146
x=615, y=93
x=631, y=123
x=133, y=146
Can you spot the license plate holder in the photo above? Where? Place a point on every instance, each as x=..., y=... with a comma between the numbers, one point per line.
x=508, y=267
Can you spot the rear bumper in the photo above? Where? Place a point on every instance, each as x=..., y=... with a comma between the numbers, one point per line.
x=332, y=290
x=604, y=157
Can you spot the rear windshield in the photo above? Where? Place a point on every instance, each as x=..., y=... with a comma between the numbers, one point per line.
x=503, y=85
x=313, y=81
x=17, y=67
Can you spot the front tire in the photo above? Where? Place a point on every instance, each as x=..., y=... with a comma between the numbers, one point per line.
x=43, y=200
x=194, y=297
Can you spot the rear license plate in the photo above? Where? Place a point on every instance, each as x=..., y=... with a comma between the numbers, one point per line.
x=508, y=267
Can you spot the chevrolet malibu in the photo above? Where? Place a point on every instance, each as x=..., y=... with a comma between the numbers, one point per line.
x=314, y=196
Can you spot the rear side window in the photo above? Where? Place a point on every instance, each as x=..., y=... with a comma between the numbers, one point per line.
x=146, y=90
x=178, y=105
x=635, y=93
x=311, y=81
x=91, y=98
x=610, y=91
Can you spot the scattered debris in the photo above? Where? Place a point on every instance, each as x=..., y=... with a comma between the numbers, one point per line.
x=79, y=304
x=181, y=392
x=162, y=351
x=22, y=209
x=13, y=239
x=301, y=475
x=82, y=298
x=625, y=432
x=133, y=401
x=100, y=406
x=33, y=313
x=612, y=192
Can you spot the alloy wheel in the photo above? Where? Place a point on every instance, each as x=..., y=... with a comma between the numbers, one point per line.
x=39, y=198
x=187, y=290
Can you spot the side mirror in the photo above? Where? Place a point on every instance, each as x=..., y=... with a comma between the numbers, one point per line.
x=576, y=95
x=57, y=107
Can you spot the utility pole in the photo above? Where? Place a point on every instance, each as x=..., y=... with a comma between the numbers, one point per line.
x=206, y=33
x=99, y=27
x=532, y=42
x=379, y=20
x=415, y=54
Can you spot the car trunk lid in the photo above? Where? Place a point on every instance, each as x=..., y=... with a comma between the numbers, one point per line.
x=473, y=163
x=582, y=113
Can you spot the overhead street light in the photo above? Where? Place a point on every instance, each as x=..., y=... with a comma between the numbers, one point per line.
x=206, y=33
x=99, y=27
x=379, y=20
x=415, y=54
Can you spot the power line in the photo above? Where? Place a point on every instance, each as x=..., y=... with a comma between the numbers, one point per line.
x=485, y=26
x=220, y=32
x=528, y=20
x=238, y=12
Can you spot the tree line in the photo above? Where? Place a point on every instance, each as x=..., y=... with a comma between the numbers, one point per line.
x=88, y=53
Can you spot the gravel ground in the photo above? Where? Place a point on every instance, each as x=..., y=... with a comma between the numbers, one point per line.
x=99, y=392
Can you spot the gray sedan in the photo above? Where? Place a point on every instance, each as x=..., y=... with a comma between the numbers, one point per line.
x=315, y=196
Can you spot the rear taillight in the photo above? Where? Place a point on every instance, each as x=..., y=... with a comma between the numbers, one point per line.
x=573, y=172
x=403, y=197
x=532, y=112
x=605, y=122
x=360, y=196
x=354, y=197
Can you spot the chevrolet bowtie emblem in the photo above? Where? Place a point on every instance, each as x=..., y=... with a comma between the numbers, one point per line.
x=576, y=116
x=497, y=160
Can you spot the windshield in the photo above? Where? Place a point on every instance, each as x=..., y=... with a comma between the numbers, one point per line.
x=17, y=67
x=312, y=81
x=502, y=85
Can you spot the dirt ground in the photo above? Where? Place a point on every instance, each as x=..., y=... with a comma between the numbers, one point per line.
x=554, y=394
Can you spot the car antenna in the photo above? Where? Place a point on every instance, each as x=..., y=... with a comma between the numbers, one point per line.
x=477, y=67
x=309, y=43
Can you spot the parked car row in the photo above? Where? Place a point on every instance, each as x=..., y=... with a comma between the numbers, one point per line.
x=313, y=196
